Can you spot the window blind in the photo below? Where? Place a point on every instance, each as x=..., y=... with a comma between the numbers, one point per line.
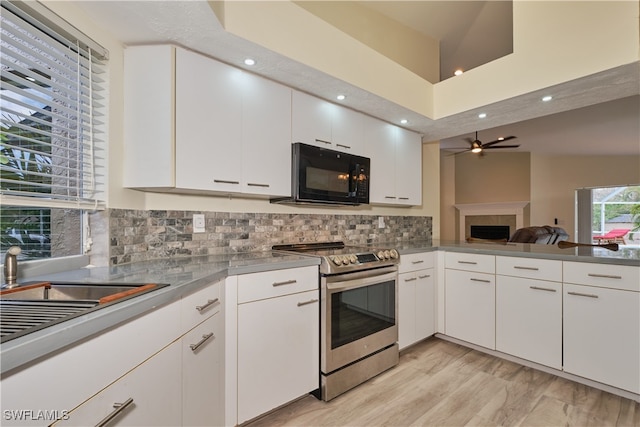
x=52, y=117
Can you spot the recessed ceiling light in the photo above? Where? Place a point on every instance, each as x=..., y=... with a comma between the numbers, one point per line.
x=340, y=97
x=404, y=121
x=501, y=138
x=482, y=115
x=547, y=98
x=458, y=72
x=249, y=61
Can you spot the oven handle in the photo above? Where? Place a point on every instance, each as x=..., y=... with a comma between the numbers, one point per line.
x=361, y=278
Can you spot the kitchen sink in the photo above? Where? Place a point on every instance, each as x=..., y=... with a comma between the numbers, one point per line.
x=34, y=306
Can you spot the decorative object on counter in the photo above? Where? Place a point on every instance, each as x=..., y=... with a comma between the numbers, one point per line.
x=545, y=234
x=564, y=244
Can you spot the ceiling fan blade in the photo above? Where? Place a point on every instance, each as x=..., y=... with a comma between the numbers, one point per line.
x=460, y=152
x=500, y=146
x=497, y=141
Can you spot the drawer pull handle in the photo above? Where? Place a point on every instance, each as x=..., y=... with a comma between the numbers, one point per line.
x=207, y=305
x=119, y=407
x=224, y=181
x=204, y=339
x=255, y=184
x=467, y=262
x=311, y=301
x=538, y=288
x=404, y=198
x=410, y=279
x=520, y=267
x=389, y=197
x=604, y=276
x=424, y=277
x=417, y=262
x=480, y=280
x=344, y=146
x=286, y=282
x=323, y=141
x=579, y=294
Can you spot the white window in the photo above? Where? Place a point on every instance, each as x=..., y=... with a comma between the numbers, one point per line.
x=52, y=122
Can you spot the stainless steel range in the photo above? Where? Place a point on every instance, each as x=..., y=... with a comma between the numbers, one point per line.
x=358, y=313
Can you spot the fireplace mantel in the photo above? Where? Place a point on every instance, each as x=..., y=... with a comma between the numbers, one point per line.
x=496, y=208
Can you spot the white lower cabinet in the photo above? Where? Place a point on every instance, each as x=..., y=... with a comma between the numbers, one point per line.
x=277, y=345
x=148, y=395
x=470, y=307
x=416, y=298
x=529, y=319
x=602, y=335
x=202, y=374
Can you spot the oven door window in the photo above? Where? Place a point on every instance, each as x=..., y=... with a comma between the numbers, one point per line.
x=361, y=312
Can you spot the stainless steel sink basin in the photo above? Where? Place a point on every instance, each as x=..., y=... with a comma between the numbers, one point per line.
x=48, y=291
x=34, y=306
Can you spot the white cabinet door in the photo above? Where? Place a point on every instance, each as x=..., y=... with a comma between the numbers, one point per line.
x=529, y=319
x=208, y=124
x=380, y=148
x=602, y=335
x=416, y=306
x=470, y=307
x=408, y=167
x=347, y=130
x=311, y=120
x=278, y=352
x=266, y=137
x=202, y=374
x=154, y=388
x=425, y=304
x=148, y=117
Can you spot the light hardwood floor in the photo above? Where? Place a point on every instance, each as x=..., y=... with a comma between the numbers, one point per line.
x=439, y=383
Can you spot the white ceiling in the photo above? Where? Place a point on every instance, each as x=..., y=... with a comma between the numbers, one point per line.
x=595, y=115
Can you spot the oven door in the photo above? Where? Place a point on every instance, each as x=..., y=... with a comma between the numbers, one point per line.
x=358, y=315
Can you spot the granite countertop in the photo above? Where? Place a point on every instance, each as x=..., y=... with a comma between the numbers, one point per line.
x=186, y=275
x=624, y=256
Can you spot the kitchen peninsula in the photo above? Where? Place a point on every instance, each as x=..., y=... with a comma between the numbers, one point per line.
x=562, y=281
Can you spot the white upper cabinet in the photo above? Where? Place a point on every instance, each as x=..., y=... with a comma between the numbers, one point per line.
x=323, y=124
x=194, y=124
x=396, y=164
x=208, y=124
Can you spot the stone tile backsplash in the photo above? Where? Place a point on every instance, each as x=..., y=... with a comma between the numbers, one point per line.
x=140, y=235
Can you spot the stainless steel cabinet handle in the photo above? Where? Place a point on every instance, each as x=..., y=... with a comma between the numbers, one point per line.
x=204, y=339
x=119, y=407
x=605, y=276
x=417, y=262
x=287, y=282
x=311, y=301
x=207, y=305
x=343, y=146
x=389, y=197
x=467, y=262
x=538, y=288
x=403, y=198
x=253, y=184
x=480, y=280
x=411, y=279
x=323, y=141
x=223, y=181
x=424, y=277
x=519, y=267
x=583, y=295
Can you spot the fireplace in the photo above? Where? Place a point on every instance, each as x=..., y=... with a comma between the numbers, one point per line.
x=493, y=232
x=501, y=214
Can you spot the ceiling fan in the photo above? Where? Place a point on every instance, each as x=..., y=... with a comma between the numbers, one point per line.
x=476, y=146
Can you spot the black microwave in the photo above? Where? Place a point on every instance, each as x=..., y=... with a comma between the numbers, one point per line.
x=320, y=175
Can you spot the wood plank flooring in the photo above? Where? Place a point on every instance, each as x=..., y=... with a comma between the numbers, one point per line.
x=439, y=383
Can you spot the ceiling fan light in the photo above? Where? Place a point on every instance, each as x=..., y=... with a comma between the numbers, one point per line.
x=476, y=147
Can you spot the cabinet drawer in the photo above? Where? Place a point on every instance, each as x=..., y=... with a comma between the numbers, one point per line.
x=471, y=262
x=269, y=284
x=530, y=268
x=200, y=306
x=413, y=262
x=607, y=276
